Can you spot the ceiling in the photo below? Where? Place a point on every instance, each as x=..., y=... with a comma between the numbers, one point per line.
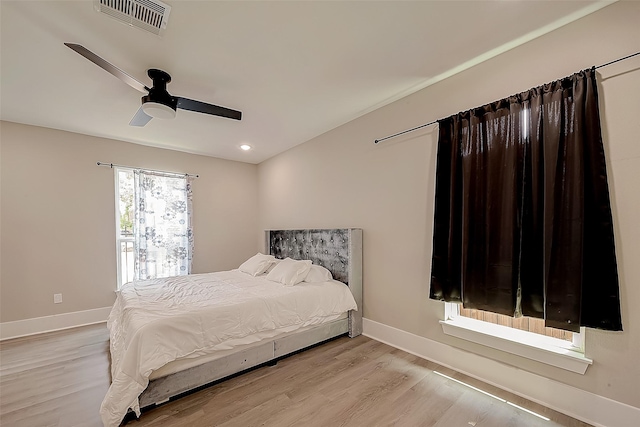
x=295, y=69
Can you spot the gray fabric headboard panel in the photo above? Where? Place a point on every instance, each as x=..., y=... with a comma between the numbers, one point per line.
x=328, y=248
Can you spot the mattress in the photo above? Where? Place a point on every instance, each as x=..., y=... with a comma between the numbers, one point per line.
x=155, y=322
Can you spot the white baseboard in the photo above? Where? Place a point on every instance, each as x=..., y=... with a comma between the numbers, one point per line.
x=577, y=403
x=56, y=322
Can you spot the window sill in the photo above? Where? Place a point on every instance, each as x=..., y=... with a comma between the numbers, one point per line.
x=552, y=351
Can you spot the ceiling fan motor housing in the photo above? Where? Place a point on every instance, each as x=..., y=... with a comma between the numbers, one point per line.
x=159, y=103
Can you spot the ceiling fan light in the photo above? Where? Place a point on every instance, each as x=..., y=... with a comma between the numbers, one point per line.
x=157, y=110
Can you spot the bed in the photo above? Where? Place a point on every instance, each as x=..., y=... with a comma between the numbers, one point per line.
x=156, y=356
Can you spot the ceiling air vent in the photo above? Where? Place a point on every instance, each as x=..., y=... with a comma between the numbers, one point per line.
x=149, y=15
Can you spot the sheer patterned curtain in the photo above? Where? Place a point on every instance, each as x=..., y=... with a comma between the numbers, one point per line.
x=162, y=231
x=523, y=221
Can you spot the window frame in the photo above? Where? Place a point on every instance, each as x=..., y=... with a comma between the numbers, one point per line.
x=548, y=350
x=134, y=240
x=119, y=239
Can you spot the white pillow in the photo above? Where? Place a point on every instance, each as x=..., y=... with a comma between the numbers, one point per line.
x=257, y=264
x=289, y=272
x=318, y=274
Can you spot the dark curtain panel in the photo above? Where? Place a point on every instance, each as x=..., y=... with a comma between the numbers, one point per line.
x=523, y=220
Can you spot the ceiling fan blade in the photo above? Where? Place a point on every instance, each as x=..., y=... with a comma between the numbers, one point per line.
x=140, y=119
x=203, y=107
x=108, y=67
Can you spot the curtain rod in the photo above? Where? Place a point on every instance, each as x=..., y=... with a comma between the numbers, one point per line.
x=111, y=165
x=436, y=121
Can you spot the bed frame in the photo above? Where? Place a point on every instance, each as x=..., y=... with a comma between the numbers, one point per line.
x=338, y=250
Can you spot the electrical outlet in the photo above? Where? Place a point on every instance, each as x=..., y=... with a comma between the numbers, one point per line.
x=57, y=298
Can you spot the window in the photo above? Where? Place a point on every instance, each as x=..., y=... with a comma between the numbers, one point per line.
x=523, y=223
x=153, y=220
x=525, y=336
x=530, y=324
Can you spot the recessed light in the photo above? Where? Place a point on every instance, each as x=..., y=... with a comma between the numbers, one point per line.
x=245, y=147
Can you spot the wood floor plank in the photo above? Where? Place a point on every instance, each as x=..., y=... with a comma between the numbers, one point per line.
x=59, y=380
x=423, y=404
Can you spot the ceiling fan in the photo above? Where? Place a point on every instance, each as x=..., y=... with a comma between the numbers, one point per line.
x=158, y=102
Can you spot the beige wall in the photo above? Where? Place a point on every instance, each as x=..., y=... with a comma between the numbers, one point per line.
x=57, y=207
x=341, y=179
x=58, y=216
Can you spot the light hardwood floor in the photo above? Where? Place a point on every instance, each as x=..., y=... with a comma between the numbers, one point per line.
x=60, y=378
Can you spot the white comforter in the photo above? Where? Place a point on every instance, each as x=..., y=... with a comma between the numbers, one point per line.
x=155, y=322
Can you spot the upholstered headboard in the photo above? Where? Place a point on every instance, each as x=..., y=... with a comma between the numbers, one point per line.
x=338, y=250
x=328, y=248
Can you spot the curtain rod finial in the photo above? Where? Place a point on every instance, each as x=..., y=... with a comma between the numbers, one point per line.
x=376, y=141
